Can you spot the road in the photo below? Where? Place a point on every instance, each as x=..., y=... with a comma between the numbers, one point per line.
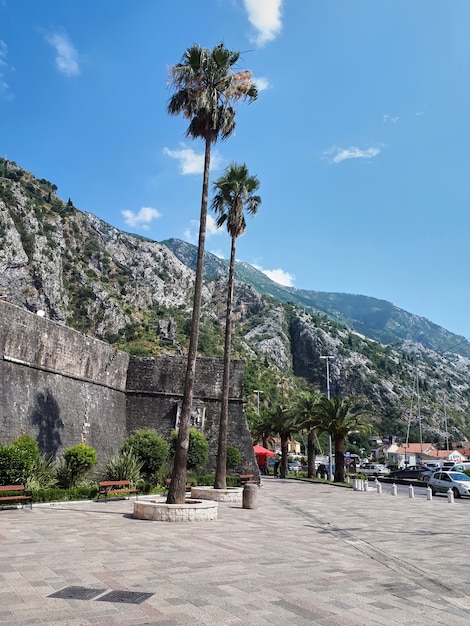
x=420, y=492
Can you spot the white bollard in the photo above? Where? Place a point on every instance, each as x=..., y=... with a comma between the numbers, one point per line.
x=411, y=491
x=379, y=486
x=429, y=496
x=366, y=485
x=450, y=496
x=394, y=490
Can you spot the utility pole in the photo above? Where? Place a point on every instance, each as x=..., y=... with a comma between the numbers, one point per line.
x=327, y=358
x=257, y=391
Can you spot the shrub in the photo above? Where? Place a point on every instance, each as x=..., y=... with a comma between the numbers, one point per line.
x=150, y=449
x=28, y=443
x=125, y=466
x=208, y=479
x=61, y=495
x=234, y=457
x=75, y=464
x=43, y=473
x=198, y=451
x=15, y=465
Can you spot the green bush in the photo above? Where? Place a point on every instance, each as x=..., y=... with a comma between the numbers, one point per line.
x=64, y=495
x=198, y=451
x=150, y=449
x=208, y=479
x=125, y=466
x=234, y=457
x=15, y=465
x=28, y=443
x=75, y=464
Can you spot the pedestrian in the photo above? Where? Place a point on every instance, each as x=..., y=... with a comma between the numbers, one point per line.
x=276, y=467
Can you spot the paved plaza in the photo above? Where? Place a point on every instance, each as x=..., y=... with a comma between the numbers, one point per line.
x=309, y=554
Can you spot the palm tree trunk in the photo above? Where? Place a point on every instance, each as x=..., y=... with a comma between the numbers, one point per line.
x=339, y=459
x=284, y=444
x=221, y=467
x=311, y=454
x=177, y=490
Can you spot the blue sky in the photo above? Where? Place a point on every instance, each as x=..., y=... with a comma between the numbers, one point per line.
x=359, y=135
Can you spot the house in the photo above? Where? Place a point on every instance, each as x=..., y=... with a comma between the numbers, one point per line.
x=419, y=453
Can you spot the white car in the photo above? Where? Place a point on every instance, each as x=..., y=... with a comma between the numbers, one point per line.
x=441, y=482
x=374, y=469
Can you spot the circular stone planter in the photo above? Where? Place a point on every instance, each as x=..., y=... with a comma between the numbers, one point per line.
x=230, y=494
x=190, y=511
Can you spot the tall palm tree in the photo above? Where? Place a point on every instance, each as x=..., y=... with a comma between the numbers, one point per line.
x=336, y=418
x=234, y=194
x=306, y=407
x=206, y=90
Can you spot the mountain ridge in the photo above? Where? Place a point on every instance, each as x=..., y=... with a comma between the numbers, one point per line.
x=376, y=318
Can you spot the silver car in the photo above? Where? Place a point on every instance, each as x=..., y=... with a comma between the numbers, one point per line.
x=441, y=482
x=374, y=469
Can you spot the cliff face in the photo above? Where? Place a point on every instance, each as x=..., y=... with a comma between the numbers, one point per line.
x=137, y=295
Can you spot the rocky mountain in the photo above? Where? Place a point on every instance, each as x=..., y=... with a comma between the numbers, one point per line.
x=137, y=294
x=374, y=318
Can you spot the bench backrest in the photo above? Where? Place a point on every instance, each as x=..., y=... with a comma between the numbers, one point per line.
x=115, y=483
x=12, y=488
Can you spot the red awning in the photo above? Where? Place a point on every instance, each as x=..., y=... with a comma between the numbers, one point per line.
x=260, y=451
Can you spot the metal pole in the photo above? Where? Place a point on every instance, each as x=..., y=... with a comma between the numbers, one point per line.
x=330, y=447
x=257, y=391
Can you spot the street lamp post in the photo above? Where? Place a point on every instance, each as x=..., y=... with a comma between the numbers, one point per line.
x=327, y=358
x=257, y=391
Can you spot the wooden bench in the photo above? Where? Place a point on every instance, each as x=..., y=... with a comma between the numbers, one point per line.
x=248, y=478
x=114, y=487
x=15, y=493
x=168, y=483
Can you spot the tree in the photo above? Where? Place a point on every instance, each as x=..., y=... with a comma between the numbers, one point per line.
x=234, y=194
x=150, y=449
x=306, y=407
x=285, y=423
x=206, y=88
x=261, y=427
x=335, y=417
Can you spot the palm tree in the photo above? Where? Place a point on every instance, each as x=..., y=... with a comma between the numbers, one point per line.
x=336, y=418
x=234, y=194
x=306, y=407
x=206, y=89
x=285, y=423
x=261, y=427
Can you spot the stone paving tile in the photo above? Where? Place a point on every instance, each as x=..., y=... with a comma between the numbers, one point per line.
x=310, y=554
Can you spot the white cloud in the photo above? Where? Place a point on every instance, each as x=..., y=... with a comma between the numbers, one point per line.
x=191, y=162
x=218, y=253
x=142, y=219
x=279, y=276
x=336, y=155
x=265, y=17
x=191, y=234
x=261, y=83
x=4, y=87
x=66, y=55
x=389, y=118
x=3, y=53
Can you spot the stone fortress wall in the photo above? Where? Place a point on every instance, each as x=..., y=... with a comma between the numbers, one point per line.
x=54, y=381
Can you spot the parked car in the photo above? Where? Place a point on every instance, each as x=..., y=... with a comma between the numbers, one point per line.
x=294, y=466
x=374, y=469
x=441, y=482
x=412, y=472
x=459, y=467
